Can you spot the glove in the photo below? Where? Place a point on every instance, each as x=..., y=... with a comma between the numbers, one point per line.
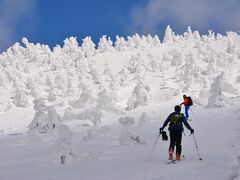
x=192, y=131
x=160, y=130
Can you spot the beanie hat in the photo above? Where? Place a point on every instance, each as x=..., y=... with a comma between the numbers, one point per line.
x=177, y=108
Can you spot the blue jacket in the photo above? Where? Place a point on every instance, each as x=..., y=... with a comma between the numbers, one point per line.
x=176, y=122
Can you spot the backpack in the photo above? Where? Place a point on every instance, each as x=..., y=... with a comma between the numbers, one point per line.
x=190, y=102
x=175, y=119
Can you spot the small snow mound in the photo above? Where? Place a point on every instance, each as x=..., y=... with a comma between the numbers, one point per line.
x=131, y=136
x=6, y=105
x=126, y=121
x=97, y=133
x=94, y=116
x=145, y=118
x=94, y=155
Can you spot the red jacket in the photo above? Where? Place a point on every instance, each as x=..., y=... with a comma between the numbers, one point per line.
x=185, y=102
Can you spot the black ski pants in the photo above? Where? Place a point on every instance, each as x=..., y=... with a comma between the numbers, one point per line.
x=176, y=139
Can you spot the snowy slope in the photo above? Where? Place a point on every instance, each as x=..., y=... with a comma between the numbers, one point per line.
x=100, y=154
x=75, y=112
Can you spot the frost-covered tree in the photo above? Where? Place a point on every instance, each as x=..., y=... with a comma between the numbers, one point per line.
x=238, y=79
x=107, y=73
x=45, y=118
x=88, y=47
x=141, y=96
x=69, y=53
x=153, y=64
x=205, y=89
x=72, y=88
x=64, y=143
x=189, y=35
x=231, y=47
x=22, y=98
x=70, y=45
x=96, y=73
x=197, y=36
x=169, y=35
x=60, y=85
x=134, y=41
x=156, y=41
x=176, y=59
x=88, y=97
x=134, y=62
x=107, y=101
x=122, y=76
x=105, y=44
x=216, y=98
x=114, y=83
x=120, y=44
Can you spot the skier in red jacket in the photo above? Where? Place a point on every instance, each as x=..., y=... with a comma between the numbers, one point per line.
x=186, y=104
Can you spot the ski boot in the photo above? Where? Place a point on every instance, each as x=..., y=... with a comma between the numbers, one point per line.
x=171, y=154
x=178, y=157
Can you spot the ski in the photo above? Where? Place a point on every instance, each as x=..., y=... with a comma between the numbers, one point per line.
x=171, y=161
x=174, y=161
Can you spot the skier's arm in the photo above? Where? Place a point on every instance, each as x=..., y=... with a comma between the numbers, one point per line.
x=185, y=102
x=184, y=120
x=166, y=121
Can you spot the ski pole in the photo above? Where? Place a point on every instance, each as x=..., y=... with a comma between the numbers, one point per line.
x=197, y=147
x=192, y=112
x=154, y=146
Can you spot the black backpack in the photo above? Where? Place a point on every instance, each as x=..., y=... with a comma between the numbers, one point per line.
x=190, y=102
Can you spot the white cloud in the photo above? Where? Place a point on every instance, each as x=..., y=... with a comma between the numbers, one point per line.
x=12, y=12
x=200, y=14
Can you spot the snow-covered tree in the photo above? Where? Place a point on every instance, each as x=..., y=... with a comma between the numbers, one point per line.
x=154, y=63
x=64, y=143
x=22, y=98
x=140, y=96
x=134, y=62
x=45, y=118
x=87, y=98
x=105, y=44
x=216, y=98
x=133, y=42
x=120, y=43
x=88, y=47
x=156, y=41
x=169, y=35
x=107, y=101
x=231, y=47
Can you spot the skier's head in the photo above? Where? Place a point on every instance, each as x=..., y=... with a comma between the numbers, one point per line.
x=184, y=96
x=177, y=108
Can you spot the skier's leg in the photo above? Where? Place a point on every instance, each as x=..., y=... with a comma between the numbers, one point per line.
x=172, y=144
x=178, y=145
x=186, y=111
